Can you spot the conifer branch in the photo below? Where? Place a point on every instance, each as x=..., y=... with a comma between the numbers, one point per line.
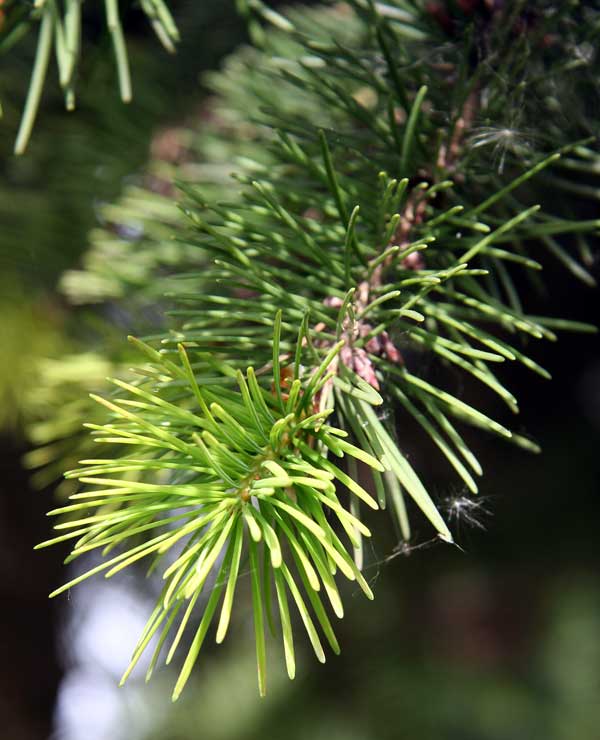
x=370, y=228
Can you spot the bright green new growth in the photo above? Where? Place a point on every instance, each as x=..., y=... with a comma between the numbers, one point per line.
x=367, y=233
x=246, y=469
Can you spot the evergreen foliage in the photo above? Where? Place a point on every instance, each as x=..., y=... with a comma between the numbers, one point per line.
x=393, y=207
x=60, y=29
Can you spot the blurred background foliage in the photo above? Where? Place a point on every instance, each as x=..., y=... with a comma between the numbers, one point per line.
x=499, y=642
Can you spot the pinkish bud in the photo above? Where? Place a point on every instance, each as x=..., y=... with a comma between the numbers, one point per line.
x=373, y=346
x=392, y=352
x=364, y=368
x=413, y=261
